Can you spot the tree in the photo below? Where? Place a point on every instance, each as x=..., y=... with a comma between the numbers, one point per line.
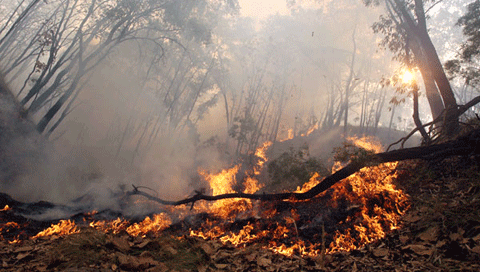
x=63, y=42
x=405, y=30
x=466, y=65
x=176, y=85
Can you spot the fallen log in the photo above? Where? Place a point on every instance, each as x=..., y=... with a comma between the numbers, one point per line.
x=466, y=145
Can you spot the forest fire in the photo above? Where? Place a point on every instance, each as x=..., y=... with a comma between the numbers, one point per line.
x=357, y=211
x=291, y=134
x=134, y=135
x=371, y=201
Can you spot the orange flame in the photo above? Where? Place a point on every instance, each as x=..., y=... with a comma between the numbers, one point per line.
x=223, y=182
x=289, y=135
x=368, y=142
x=160, y=222
x=6, y=208
x=113, y=226
x=8, y=227
x=371, y=221
x=261, y=152
x=65, y=227
x=312, y=129
x=15, y=241
x=312, y=182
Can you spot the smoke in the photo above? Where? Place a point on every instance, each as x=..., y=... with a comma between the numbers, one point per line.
x=132, y=122
x=94, y=156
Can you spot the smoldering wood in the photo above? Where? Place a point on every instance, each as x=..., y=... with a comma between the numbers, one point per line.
x=468, y=145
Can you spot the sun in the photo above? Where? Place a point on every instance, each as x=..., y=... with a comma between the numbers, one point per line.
x=407, y=77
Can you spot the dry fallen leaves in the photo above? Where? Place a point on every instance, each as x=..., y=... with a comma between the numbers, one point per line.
x=420, y=249
x=380, y=252
x=429, y=235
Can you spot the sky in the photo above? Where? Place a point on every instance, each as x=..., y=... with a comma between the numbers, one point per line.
x=261, y=9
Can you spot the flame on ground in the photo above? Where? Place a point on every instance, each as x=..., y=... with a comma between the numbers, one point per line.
x=380, y=206
x=376, y=204
x=112, y=226
x=160, y=222
x=223, y=183
x=64, y=227
x=312, y=182
x=370, y=183
x=368, y=142
x=9, y=227
x=289, y=135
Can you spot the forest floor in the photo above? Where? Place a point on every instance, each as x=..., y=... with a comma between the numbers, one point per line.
x=440, y=232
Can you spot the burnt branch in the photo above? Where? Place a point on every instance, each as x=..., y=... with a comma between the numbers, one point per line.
x=466, y=145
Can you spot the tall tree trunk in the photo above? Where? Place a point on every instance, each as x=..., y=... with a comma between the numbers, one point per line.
x=416, y=116
x=349, y=84
x=391, y=119
x=417, y=28
x=433, y=96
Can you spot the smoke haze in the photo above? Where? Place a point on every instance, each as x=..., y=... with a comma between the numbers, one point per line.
x=203, y=91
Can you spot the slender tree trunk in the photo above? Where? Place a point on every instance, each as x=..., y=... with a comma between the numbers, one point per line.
x=349, y=84
x=379, y=109
x=416, y=117
x=391, y=119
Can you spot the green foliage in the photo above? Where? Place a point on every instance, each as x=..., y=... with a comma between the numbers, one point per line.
x=295, y=167
x=242, y=128
x=466, y=65
x=349, y=152
x=470, y=22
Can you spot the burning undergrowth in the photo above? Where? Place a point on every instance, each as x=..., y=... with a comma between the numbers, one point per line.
x=356, y=211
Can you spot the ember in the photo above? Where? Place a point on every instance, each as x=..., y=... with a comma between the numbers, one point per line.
x=9, y=227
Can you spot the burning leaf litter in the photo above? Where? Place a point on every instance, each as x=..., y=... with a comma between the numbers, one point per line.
x=366, y=206
x=64, y=227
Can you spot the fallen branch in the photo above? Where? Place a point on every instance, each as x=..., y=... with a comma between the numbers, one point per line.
x=466, y=145
x=460, y=110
